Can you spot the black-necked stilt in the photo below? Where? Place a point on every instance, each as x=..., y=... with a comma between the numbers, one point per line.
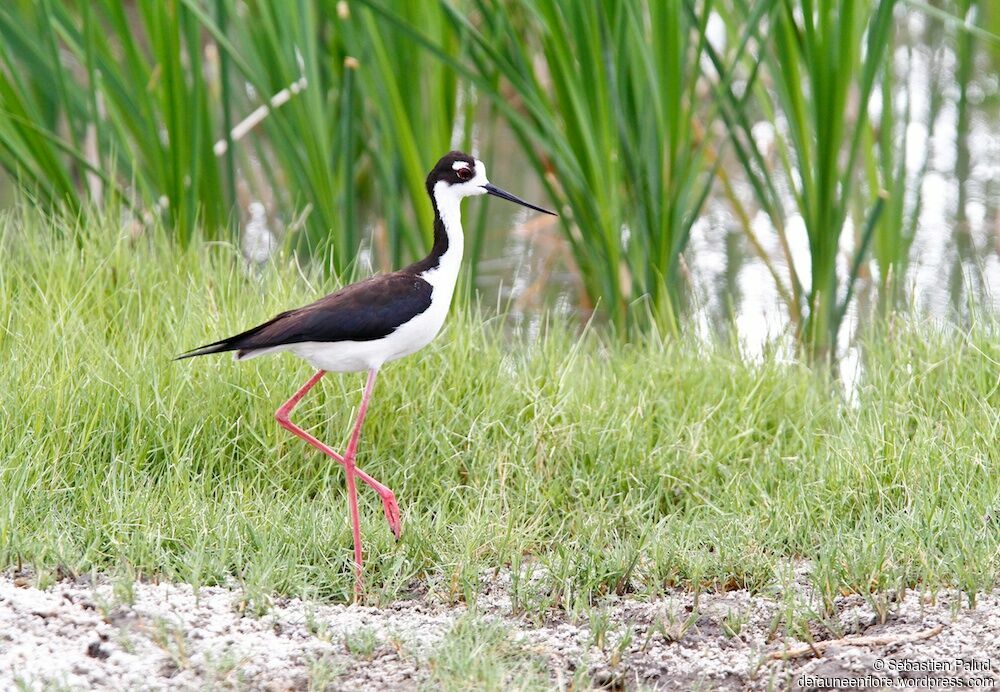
x=365, y=325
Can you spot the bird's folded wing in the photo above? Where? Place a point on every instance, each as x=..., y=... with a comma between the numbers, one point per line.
x=364, y=311
x=367, y=310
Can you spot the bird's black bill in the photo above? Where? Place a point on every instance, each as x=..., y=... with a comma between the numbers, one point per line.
x=503, y=194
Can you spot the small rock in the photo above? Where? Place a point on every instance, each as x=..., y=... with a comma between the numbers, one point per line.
x=94, y=650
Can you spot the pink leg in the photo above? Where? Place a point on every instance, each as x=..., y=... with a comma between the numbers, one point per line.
x=388, y=498
x=352, y=493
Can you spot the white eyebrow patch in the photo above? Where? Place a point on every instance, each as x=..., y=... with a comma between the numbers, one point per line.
x=459, y=165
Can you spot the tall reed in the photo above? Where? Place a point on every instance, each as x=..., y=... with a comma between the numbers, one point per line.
x=823, y=60
x=141, y=101
x=413, y=104
x=112, y=96
x=310, y=148
x=608, y=106
x=886, y=152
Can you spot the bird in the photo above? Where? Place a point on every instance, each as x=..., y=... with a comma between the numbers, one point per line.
x=367, y=324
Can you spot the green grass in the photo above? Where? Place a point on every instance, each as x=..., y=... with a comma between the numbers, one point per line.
x=484, y=655
x=611, y=466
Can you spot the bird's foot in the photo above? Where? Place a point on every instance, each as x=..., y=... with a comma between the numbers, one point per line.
x=392, y=513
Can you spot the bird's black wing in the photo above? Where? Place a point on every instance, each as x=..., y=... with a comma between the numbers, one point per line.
x=367, y=310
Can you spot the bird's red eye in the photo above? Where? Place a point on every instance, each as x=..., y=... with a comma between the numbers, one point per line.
x=464, y=174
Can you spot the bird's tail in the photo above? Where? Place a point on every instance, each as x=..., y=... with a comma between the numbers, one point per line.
x=244, y=342
x=217, y=347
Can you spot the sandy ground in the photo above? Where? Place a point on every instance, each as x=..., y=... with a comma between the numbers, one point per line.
x=80, y=635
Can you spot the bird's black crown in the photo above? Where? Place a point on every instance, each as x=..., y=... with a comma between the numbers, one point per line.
x=444, y=170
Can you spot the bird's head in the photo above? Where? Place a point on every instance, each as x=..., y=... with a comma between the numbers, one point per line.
x=459, y=175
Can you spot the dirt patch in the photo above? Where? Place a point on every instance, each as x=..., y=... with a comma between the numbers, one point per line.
x=106, y=636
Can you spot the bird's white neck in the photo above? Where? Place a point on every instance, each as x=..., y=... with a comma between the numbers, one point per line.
x=445, y=274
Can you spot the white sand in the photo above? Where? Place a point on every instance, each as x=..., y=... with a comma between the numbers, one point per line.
x=82, y=636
